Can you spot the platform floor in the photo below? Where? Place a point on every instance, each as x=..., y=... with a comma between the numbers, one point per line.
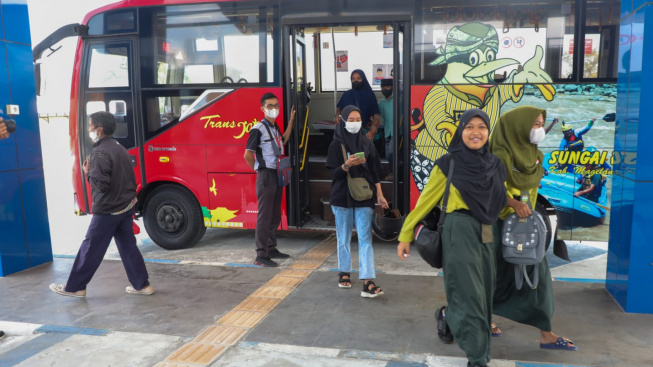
x=194, y=318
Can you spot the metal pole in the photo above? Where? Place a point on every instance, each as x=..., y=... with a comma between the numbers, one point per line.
x=335, y=72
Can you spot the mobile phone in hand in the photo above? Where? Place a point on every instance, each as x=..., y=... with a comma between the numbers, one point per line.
x=360, y=155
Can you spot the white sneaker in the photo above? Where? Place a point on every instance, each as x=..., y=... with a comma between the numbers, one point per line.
x=61, y=289
x=149, y=290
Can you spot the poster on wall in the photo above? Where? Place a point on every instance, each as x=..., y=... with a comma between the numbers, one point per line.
x=388, y=40
x=342, y=61
x=381, y=71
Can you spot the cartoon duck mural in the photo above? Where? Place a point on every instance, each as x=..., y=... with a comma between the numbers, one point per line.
x=470, y=54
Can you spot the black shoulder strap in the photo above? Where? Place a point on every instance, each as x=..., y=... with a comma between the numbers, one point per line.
x=445, y=197
x=277, y=150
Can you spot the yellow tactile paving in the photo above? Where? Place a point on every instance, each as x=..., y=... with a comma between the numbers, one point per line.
x=279, y=281
x=307, y=265
x=246, y=319
x=231, y=327
x=273, y=292
x=228, y=335
x=258, y=304
x=298, y=273
x=196, y=353
x=314, y=257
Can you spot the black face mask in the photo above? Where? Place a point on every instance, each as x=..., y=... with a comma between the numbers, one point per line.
x=386, y=92
x=357, y=85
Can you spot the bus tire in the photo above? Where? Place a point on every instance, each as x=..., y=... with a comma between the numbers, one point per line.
x=173, y=218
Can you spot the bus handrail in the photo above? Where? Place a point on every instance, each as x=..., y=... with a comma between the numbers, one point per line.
x=305, y=150
x=301, y=144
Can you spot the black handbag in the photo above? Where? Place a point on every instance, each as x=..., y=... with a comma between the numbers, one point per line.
x=427, y=235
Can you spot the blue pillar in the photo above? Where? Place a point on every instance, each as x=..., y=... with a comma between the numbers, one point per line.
x=24, y=228
x=630, y=252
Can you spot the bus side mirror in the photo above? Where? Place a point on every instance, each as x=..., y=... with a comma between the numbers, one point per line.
x=37, y=78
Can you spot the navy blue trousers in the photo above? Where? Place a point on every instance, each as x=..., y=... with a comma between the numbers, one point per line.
x=95, y=245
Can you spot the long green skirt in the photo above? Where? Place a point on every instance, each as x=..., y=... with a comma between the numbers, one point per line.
x=527, y=306
x=469, y=276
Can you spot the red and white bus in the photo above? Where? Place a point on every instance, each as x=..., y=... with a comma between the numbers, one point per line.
x=184, y=79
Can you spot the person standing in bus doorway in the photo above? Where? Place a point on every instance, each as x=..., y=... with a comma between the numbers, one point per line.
x=110, y=173
x=350, y=154
x=476, y=197
x=515, y=141
x=386, y=108
x=260, y=156
x=362, y=96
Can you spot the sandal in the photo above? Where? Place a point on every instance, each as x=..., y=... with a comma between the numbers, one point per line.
x=342, y=279
x=444, y=333
x=371, y=292
x=560, y=344
x=496, y=331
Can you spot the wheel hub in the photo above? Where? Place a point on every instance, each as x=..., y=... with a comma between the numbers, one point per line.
x=170, y=218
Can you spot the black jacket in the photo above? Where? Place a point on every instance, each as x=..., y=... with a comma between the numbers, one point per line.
x=111, y=177
x=340, y=195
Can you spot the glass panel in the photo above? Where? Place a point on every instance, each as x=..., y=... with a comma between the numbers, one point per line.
x=112, y=23
x=206, y=44
x=509, y=33
x=109, y=67
x=601, y=39
x=364, y=51
x=119, y=111
x=198, y=74
x=242, y=67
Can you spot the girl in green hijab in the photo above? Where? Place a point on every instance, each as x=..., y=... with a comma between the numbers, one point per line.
x=514, y=140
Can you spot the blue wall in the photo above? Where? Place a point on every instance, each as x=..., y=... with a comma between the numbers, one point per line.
x=630, y=252
x=24, y=228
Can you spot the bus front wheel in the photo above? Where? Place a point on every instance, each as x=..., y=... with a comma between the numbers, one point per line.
x=173, y=218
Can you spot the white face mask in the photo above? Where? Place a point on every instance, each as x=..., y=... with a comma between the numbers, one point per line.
x=353, y=126
x=94, y=136
x=537, y=135
x=273, y=113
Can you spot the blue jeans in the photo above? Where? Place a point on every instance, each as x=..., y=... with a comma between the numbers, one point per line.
x=345, y=218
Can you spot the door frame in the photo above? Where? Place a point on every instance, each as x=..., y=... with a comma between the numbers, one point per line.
x=400, y=22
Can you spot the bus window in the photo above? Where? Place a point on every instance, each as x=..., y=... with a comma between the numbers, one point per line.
x=109, y=67
x=206, y=44
x=119, y=111
x=198, y=74
x=601, y=39
x=364, y=51
x=516, y=31
x=241, y=66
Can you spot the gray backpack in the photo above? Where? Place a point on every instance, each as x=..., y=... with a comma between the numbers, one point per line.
x=524, y=243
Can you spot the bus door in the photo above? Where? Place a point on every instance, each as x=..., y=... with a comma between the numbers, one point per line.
x=107, y=85
x=401, y=128
x=297, y=96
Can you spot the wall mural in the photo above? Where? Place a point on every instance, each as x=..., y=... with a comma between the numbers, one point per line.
x=578, y=149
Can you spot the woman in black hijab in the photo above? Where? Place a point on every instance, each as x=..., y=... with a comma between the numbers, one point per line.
x=343, y=160
x=476, y=197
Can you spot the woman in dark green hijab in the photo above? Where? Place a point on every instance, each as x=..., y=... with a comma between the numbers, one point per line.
x=514, y=140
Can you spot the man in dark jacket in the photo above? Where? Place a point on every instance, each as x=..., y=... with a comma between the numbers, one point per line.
x=111, y=176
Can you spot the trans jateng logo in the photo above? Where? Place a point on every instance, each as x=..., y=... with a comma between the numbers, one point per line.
x=216, y=122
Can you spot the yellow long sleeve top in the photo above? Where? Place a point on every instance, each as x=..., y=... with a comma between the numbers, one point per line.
x=515, y=192
x=430, y=197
